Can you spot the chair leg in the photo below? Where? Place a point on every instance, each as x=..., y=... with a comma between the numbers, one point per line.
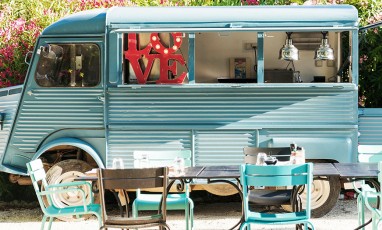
x=191, y=214
x=187, y=217
x=377, y=224
x=374, y=222
x=50, y=222
x=134, y=210
x=308, y=225
x=43, y=222
x=99, y=218
x=245, y=226
x=361, y=210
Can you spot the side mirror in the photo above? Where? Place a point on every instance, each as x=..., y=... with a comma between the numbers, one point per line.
x=28, y=57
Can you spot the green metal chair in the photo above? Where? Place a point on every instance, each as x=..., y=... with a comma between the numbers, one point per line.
x=276, y=175
x=268, y=198
x=37, y=174
x=376, y=210
x=368, y=153
x=175, y=201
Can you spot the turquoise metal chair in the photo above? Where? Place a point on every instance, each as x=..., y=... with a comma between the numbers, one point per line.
x=276, y=175
x=37, y=174
x=175, y=201
x=368, y=153
x=269, y=198
x=376, y=210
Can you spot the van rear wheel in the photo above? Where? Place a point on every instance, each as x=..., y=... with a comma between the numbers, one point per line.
x=324, y=195
x=67, y=171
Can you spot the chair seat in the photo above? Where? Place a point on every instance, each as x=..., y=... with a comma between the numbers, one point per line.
x=117, y=220
x=269, y=197
x=73, y=210
x=277, y=217
x=151, y=201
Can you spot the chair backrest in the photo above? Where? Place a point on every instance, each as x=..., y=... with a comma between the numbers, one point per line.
x=370, y=153
x=277, y=175
x=37, y=174
x=162, y=158
x=111, y=179
x=281, y=153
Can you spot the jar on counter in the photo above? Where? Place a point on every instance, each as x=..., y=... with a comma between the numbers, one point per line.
x=300, y=155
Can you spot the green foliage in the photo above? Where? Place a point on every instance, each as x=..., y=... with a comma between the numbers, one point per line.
x=370, y=68
x=370, y=53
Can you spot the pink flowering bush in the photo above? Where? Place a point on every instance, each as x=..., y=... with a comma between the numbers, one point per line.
x=17, y=36
x=21, y=22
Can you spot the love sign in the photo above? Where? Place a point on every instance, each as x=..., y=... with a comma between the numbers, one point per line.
x=167, y=57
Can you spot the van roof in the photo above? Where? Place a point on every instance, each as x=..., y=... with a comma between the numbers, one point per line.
x=85, y=22
x=205, y=18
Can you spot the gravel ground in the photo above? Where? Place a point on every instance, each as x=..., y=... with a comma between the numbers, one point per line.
x=208, y=216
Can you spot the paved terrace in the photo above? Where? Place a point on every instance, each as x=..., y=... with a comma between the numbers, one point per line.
x=208, y=216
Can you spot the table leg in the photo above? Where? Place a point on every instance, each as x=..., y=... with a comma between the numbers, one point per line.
x=239, y=189
x=115, y=193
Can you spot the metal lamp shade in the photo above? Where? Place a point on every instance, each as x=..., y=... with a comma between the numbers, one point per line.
x=288, y=52
x=324, y=52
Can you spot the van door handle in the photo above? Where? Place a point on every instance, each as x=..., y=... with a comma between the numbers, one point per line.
x=101, y=98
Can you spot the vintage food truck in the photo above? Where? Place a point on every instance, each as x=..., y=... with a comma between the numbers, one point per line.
x=104, y=83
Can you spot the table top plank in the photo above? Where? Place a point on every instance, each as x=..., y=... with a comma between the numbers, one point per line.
x=357, y=170
x=189, y=173
x=324, y=169
x=342, y=170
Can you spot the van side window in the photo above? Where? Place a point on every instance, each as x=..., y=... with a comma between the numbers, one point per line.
x=68, y=65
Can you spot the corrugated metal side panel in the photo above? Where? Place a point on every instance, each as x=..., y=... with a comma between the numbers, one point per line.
x=221, y=147
x=8, y=106
x=222, y=120
x=370, y=126
x=335, y=144
x=122, y=143
x=48, y=110
x=232, y=108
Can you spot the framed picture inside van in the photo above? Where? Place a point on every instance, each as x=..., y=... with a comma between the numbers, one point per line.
x=240, y=67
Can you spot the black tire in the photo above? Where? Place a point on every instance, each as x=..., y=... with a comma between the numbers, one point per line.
x=324, y=196
x=328, y=204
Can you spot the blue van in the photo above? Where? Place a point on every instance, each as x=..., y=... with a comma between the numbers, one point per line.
x=107, y=82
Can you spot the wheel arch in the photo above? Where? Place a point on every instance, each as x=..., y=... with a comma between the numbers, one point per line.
x=73, y=142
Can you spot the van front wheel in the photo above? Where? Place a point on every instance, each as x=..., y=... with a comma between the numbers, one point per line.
x=67, y=171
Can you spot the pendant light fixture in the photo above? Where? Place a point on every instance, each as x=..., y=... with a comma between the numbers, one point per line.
x=324, y=52
x=288, y=52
